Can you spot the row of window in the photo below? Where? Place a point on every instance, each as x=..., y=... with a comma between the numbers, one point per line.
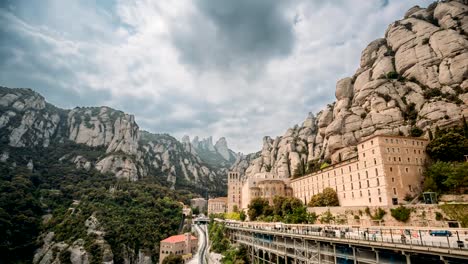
x=417, y=160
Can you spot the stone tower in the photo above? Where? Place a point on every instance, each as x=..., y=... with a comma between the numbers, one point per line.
x=234, y=191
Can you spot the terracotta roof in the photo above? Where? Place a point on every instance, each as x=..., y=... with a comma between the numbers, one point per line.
x=176, y=239
x=218, y=199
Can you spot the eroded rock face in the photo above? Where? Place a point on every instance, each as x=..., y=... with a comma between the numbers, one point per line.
x=428, y=49
x=102, y=126
x=26, y=120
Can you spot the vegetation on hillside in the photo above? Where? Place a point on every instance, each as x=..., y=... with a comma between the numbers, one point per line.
x=326, y=198
x=135, y=215
x=284, y=209
x=448, y=173
x=220, y=244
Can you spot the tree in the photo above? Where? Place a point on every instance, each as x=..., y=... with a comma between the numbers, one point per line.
x=173, y=259
x=195, y=210
x=278, y=205
x=449, y=146
x=327, y=198
x=401, y=213
x=242, y=216
x=458, y=177
x=300, y=169
x=257, y=207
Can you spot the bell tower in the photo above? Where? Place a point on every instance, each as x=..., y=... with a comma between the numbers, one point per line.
x=234, y=191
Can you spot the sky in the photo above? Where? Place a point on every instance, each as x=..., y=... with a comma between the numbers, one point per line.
x=240, y=69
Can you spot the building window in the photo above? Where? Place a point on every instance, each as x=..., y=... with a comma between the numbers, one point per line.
x=394, y=191
x=391, y=140
x=358, y=176
x=378, y=182
x=399, y=159
x=410, y=188
x=391, y=169
x=393, y=179
x=363, y=155
x=370, y=200
x=372, y=142
x=368, y=185
x=352, y=188
x=368, y=192
x=360, y=185
x=386, y=140
x=388, y=150
x=393, y=149
x=394, y=159
x=367, y=175
x=349, y=168
x=357, y=166
x=376, y=172
x=341, y=170
x=343, y=188
x=380, y=199
x=409, y=160
x=375, y=161
x=414, y=151
x=365, y=164
x=378, y=191
x=406, y=169
x=362, y=146
x=344, y=195
x=352, y=194
x=360, y=193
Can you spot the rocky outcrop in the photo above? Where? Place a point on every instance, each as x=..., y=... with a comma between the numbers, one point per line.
x=114, y=142
x=414, y=77
x=103, y=126
x=217, y=156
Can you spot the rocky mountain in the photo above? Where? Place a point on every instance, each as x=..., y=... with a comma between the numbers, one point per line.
x=409, y=82
x=27, y=120
x=217, y=156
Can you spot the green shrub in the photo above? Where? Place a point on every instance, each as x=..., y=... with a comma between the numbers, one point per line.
x=392, y=75
x=416, y=131
x=438, y=216
x=432, y=92
x=378, y=214
x=401, y=213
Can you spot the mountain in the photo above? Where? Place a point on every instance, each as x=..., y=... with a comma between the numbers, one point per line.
x=409, y=82
x=217, y=156
x=28, y=121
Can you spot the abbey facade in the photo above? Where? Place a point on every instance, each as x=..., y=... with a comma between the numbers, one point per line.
x=386, y=170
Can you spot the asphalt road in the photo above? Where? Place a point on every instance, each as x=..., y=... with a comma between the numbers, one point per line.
x=199, y=257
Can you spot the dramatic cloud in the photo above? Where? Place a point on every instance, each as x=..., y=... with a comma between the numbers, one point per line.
x=233, y=34
x=240, y=69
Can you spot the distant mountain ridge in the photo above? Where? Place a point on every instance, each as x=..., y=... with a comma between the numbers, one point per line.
x=27, y=120
x=217, y=155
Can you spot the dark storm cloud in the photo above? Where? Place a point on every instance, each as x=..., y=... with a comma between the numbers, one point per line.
x=228, y=33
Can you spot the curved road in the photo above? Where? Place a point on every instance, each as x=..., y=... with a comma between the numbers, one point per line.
x=202, y=246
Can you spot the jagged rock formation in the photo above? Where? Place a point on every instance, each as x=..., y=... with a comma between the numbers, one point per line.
x=415, y=77
x=218, y=155
x=27, y=120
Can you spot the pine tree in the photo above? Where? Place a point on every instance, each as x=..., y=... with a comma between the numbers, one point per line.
x=465, y=127
x=431, y=137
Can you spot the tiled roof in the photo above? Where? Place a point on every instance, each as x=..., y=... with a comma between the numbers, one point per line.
x=176, y=239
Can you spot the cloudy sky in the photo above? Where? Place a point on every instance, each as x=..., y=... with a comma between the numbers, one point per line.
x=241, y=69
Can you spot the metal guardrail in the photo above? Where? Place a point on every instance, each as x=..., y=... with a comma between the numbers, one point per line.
x=403, y=239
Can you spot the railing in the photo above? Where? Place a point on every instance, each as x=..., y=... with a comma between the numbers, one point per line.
x=369, y=236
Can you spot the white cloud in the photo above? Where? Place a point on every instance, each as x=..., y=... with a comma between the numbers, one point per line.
x=131, y=60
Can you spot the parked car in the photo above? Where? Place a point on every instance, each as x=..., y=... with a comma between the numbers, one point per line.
x=441, y=233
